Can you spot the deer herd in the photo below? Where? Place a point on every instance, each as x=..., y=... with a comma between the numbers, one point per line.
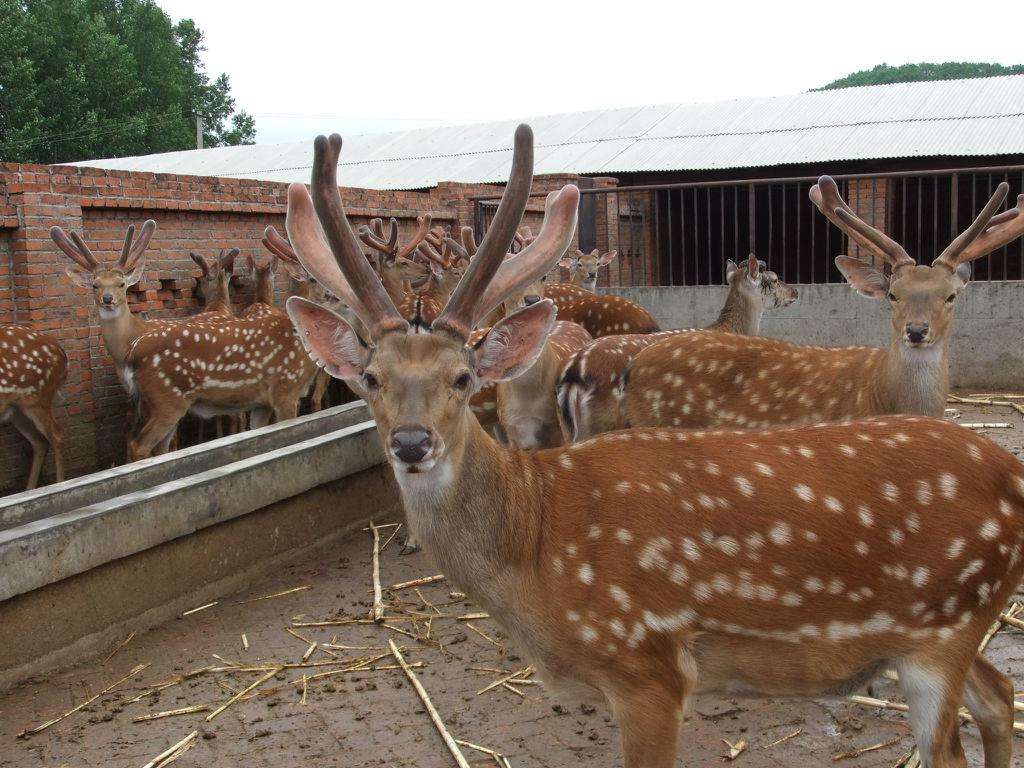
x=695, y=505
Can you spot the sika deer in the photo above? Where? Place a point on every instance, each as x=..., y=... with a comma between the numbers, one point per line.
x=590, y=389
x=32, y=368
x=214, y=286
x=583, y=267
x=705, y=560
x=601, y=315
x=711, y=379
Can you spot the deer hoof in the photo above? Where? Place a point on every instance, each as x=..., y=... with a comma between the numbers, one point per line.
x=410, y=547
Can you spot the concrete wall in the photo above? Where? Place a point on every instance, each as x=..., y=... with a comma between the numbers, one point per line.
x=988, y=337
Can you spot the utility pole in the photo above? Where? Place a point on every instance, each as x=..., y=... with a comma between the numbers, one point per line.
x=199, y=132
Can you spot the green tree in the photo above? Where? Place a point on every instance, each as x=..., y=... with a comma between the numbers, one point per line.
x=85, y=79
x=912, y=73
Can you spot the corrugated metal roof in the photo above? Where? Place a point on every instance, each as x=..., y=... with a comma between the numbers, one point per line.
x=983, y=116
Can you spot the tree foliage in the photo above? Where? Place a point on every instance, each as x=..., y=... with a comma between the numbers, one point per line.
x=83, y=79
x=912, y=73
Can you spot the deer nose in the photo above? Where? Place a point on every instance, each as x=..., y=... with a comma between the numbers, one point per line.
x=108, y=298
x=411, y=444
x=530, y=300
x=916, y=332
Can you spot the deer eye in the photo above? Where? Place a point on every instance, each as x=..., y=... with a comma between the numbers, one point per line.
x=951, y=298
x=462, y=381
x=370, y=382
x=892, y=297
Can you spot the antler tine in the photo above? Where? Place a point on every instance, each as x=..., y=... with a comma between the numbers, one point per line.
x=468, y=241
x=956, y=251
x=460, y=313
x=422, y=228
x=312, y=251
x=82, y=258
x=140, y=244
x=458, y=252
x=442, y=258
x=274, y=242
x=382, y=317
x=127, y=247
x=82, y=247
x=825, y=195
x=543, y=252
x=373, y=236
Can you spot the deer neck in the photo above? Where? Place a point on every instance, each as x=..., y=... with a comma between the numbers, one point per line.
x=119, y=331
x=480, y=498
x=392, y=284
x=914, y=380
x=265, y=290
x=740, y=314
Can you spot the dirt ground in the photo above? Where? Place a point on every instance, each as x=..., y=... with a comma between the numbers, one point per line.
x=372, y=716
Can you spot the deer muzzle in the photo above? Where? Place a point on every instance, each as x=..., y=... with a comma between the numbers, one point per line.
x=411, y=444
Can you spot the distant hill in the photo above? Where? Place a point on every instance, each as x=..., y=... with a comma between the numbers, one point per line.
x=912, y=73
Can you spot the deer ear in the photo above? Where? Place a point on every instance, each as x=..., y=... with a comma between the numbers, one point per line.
x=730, y=269
x=607, y=258
x=567, y=262
x=328, y=338
x=865, y=278
x=137, y=272
x=513, y=345
x=79, y=276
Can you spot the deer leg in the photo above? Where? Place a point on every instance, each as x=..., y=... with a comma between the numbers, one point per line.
x=259, y=417
x=156, y=429
x=933, y=690
x=988, y=694
x=320, y=383
x=649, y=715
x=165, y=445
x=41, y=416
x=37, y=440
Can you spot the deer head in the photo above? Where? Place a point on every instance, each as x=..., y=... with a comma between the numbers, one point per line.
x=758, y=284
x=419, y=385
x=109, y=284
x=396, y=267
x=921, y=297
x=583, y=267
x=213, y=284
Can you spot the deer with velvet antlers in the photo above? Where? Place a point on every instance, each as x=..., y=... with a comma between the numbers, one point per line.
x=709, y=379
x=703, y=554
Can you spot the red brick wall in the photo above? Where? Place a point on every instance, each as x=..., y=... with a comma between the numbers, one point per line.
x=193, y=214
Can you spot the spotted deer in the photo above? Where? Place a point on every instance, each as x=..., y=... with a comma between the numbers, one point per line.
x=589, y=391
x=214, y=285
x=32, y=369
x=601, y=315
x=703, y=554
x=584, y=267
x=714, y=379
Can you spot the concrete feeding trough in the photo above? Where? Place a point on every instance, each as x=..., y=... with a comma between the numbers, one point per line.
x=133, y=541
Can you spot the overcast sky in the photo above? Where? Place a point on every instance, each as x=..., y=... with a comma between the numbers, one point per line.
x=303, y=67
